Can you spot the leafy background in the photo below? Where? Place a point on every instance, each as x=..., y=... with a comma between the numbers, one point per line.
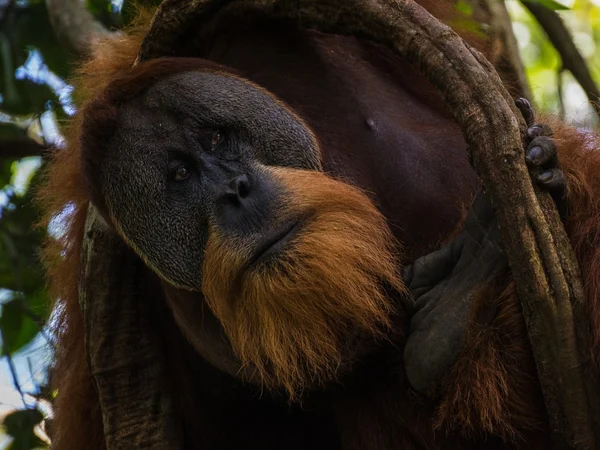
x=35, y=98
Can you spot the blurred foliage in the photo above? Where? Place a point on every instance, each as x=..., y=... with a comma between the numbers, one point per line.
x=543, y=64
x=20, y=425
x=24, y=26
x=556, y=6
x=34, y=98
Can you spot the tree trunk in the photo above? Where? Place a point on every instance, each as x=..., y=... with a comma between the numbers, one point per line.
x=74, y=25
x=125, y=356
x=505, y=54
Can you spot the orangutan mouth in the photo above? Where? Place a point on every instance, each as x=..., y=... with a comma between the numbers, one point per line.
x=275, y=242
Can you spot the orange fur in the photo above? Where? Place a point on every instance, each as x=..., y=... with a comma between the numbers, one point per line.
x=298, y=322
x=579, y=156
x=492, y=389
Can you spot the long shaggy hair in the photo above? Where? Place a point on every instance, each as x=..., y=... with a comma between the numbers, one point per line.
x=299, y=321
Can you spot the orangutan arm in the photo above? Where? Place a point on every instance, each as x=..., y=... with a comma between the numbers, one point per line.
x=443, y=284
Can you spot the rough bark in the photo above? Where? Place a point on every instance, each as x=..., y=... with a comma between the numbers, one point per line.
x=571, y=58
x=124, y=355
x=74, y=26
x=542, y=261
x=506, y=56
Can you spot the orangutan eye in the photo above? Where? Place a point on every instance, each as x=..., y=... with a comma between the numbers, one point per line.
x=216, y=139
x=181, y=173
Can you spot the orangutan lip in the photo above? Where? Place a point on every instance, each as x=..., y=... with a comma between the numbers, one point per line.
x=275, y=242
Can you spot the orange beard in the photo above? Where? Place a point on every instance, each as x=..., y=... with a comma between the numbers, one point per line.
x=299, y=321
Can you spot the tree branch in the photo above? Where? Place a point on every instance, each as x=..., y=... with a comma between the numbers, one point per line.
x=74, y=25
x=542, y=261
x=562, y=41
x=124, y=352
x=507, y=55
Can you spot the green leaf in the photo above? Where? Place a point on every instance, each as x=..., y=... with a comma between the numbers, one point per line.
x=6, y=172
x=17, y=328
x=8, y=65
x=20, y=242
x=464, y=7
x=20, y=269
x=551, y=4
x=19, y=425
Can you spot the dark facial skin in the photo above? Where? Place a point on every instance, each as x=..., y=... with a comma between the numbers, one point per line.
x=194, y=144
x=196, y=179
x=188, y=156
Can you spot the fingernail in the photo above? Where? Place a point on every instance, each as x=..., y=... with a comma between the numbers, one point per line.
x=545, y=176
x=534, y=131
x=535, y=154
x=523, y=102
